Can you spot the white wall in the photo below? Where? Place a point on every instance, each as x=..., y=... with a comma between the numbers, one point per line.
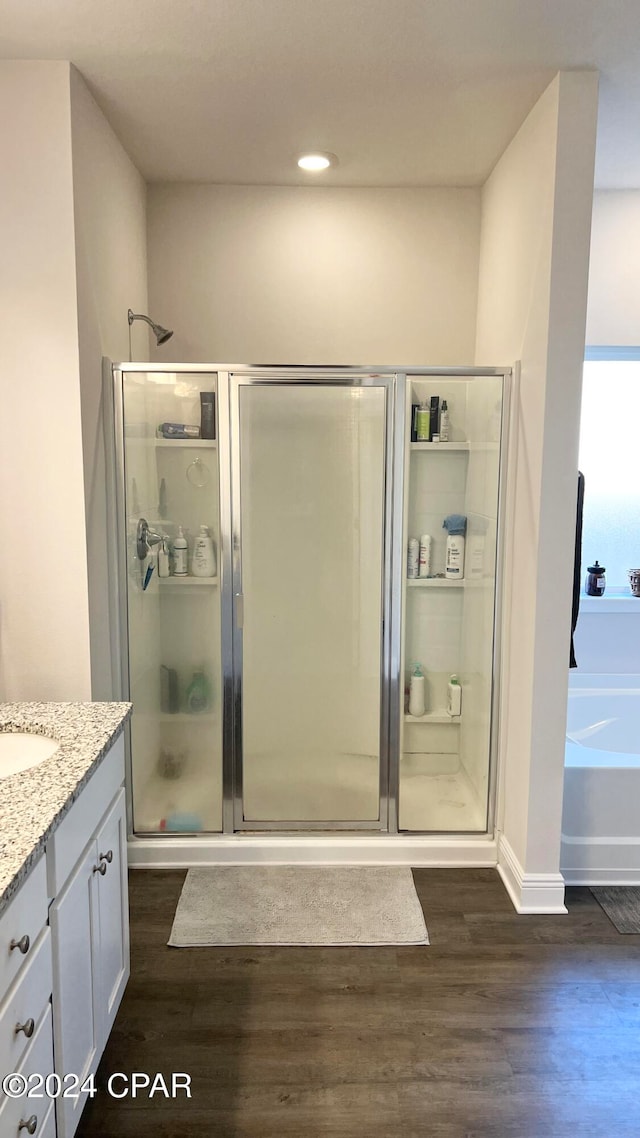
x=613, y=312
x=536, y=214
x=44, y=618
x=109, y=198
x=484, y=407
x=260, y=274
x=606, y=641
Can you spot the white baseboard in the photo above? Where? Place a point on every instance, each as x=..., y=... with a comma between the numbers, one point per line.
x=529, y=892
x=601, y=877
x=264, y=849
x=600, y=861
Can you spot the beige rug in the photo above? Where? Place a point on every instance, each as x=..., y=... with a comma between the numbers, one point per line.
x=301, y=905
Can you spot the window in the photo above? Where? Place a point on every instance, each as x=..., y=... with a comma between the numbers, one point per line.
x=610, y=462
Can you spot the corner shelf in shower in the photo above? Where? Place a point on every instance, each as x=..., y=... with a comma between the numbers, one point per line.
x=187, y=582
x=434, y=583
x=202, y=444
x=448, y=447
x=437, y=717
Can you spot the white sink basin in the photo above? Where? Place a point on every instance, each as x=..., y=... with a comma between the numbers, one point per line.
x=19, y=751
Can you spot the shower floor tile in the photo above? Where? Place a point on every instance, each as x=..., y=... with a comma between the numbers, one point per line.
x=433, y=796
x=437, y=802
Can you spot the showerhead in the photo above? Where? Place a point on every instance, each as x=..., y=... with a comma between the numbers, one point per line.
x=161, y=334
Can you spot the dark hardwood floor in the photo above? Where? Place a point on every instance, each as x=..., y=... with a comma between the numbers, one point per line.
x=506, y=1026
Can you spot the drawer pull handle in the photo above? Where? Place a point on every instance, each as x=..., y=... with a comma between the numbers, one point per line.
x=23, y=944
x=101, y=869
x=30, y=1125
x=107, y=857
x=28, y=1027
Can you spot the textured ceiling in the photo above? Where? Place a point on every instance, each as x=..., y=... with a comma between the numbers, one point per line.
x=405, y=92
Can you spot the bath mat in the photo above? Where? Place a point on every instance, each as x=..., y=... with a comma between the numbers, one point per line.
x=301, y=905
x=621, y=903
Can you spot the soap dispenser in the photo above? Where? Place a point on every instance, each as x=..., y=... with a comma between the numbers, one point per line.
x=454, y=697
x=417, y=703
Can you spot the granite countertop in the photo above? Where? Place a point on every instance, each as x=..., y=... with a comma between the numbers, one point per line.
x=34, y=802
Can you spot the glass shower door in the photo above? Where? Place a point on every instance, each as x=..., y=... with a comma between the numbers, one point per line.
x=309, y=517
x=170, y=488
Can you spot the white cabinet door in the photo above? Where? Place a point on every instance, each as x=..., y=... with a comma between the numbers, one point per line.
x=75, y=927
x=90, y=932
x=113, y=963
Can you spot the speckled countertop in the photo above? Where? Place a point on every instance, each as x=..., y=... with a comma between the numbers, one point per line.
x=34, y=802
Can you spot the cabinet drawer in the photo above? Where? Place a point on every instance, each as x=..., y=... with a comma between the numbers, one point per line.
x=74, y=832
x=26, y=916
x=26, y=1000
x=38, y=1060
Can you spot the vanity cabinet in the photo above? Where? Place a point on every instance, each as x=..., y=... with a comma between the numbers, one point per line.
x=63, y=980
x=90, y=929
x=26, y=1040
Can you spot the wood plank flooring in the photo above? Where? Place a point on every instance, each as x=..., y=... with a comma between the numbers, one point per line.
x=505, y=1027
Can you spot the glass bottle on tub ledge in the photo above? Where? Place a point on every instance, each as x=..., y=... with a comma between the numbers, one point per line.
x=595, y=583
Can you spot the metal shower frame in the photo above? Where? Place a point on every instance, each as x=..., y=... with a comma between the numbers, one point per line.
x=229, y=378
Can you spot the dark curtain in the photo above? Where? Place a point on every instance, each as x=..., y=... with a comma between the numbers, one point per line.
x=577, y=564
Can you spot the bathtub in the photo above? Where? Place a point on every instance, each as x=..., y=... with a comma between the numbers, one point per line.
x=601, y=809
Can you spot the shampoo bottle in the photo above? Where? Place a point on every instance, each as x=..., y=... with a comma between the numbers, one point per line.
x=413, y=558
x=198, y=694
x=454, y=701
x=445, y=425
x=455, y=525
x=422, y=423
x=425, y=555
x=164, y=568
x=203, y=562
x=180, y=549
x=417, y=704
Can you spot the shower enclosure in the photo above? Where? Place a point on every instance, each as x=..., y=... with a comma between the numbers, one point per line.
x=271, y=694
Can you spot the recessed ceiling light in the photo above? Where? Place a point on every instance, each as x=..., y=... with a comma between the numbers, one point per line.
x=316, y=161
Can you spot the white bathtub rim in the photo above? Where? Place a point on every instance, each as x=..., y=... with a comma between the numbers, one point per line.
x=593, y=683
x=577, y=755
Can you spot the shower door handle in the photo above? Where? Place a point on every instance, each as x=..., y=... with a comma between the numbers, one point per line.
x=240, y=610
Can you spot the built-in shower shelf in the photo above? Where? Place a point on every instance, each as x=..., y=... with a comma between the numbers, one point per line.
x=187, y=582
x=440, y=446
x=204, y=444
x=434, y=583
x=437, y=717
x=187, y=717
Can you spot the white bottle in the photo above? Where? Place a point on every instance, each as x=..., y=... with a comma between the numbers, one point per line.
x=454, y=701
x=203, y=562
x=164, y=569
x=445, y=425
x=425, y=555
x=180, y=550
x=475, y=554
x=417, y=702
x=413, y=558
x=454, y=565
